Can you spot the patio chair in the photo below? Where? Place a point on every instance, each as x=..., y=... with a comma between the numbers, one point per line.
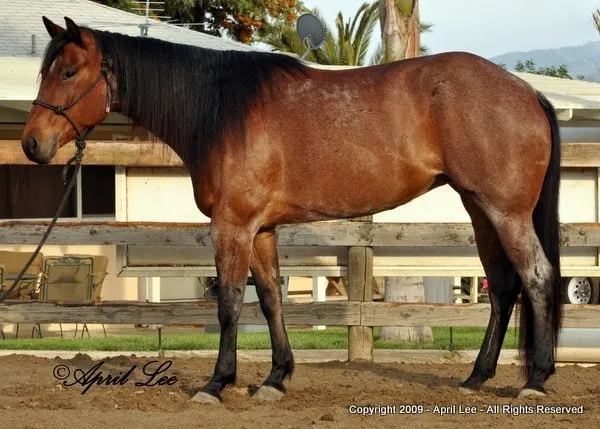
x=98, y=276
x=67, y=278
x=12, y=263
x=100, y=263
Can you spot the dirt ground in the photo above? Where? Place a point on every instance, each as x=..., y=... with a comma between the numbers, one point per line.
x=320, y=396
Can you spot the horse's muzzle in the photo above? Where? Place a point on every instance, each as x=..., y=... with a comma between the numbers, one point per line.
x=36, y=152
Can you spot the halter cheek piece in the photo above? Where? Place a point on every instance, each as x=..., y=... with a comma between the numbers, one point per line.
x=105, y=68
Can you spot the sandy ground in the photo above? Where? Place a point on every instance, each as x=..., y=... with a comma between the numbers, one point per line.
x=321, y=395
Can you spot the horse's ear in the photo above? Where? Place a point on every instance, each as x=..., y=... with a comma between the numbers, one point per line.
x=74, y=32
x=52, y=28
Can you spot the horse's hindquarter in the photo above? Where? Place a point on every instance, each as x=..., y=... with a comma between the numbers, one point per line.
x=349, y=143
x=492, y=131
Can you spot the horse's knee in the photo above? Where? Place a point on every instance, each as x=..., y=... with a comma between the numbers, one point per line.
x=230, y=304
x=270, y=303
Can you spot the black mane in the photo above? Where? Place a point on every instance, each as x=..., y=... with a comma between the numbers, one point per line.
x=187, y=96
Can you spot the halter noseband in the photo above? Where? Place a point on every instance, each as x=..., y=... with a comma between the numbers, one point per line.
x=105, y=67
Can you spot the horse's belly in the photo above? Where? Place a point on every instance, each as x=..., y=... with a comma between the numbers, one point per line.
x=339, y=196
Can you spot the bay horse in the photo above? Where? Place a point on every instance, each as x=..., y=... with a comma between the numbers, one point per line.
x=262, y=135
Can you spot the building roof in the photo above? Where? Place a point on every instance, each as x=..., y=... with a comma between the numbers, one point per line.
x=23, y=18
x=573, y=99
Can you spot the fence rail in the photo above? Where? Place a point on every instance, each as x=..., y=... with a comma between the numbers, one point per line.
x=336, y=313
x=342, y=234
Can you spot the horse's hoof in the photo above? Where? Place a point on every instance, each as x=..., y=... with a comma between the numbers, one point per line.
x=531, y=393
x=466, y=390
x=205, y=398
x=268, y=394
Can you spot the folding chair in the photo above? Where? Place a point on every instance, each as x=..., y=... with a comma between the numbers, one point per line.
x=98, y=276
x=12, y=263
x=67, y=278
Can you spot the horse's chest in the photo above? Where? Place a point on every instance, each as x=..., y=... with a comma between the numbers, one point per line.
x=204, y=191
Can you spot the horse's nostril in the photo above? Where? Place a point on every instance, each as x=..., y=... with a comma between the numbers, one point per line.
x=32, y=145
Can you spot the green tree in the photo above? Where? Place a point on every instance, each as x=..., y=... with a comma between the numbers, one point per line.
x=242, y=20
x=529, y=66
x=349, y=44
x=126, y=5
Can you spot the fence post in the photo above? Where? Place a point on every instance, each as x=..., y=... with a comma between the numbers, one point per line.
x=360, y=288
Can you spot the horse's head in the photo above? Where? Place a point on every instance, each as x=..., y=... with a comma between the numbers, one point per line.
x=74, y=93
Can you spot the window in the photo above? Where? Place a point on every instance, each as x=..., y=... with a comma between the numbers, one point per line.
x=34, y=192
x=97, y=191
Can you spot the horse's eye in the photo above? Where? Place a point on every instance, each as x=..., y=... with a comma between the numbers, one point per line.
x=68, y=74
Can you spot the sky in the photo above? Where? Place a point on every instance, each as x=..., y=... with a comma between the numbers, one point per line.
x=491, y=27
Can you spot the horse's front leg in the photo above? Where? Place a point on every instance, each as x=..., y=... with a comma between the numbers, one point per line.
x=233, y=245
x=264, y=266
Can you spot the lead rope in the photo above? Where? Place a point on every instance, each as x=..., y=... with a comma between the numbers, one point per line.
x=75, y=164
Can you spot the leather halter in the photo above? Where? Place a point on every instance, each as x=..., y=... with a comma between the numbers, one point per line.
x=105, y=68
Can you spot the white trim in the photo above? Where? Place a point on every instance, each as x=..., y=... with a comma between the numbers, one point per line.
x=149, y=289
x=335, y=271
x=564, y=114
x=121, y=194
x=319, y=293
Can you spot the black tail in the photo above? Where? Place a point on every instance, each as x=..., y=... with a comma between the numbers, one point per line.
x=545, y=220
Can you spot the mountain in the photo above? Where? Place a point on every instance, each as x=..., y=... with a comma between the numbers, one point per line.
x=580, y=60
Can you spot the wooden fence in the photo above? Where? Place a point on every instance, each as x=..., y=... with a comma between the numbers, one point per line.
x=327, y=234
x=359, y=313
x=335, y=313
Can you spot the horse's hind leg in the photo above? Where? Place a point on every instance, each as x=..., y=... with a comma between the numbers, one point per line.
x=264, y=266
x=522, y=245
x=504, y=286
x=233, y=245
x=516, y=232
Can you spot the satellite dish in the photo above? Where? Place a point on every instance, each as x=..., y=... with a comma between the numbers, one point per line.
x=311, y=31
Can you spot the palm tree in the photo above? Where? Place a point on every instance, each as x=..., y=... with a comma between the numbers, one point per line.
x=348, y=47
x=400, y=29
x=400, y=33
x=350, y=44
x=378, y=55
